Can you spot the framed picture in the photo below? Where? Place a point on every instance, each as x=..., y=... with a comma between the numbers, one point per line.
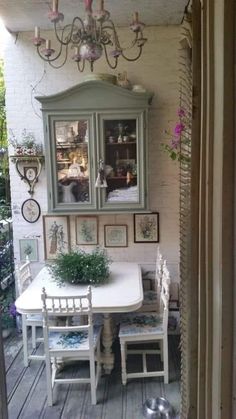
x=30, y=173
x=146, y=228
x=30, y=210
x=115, y=235
x=56, y=235
x=28, y=247
x=86, y=230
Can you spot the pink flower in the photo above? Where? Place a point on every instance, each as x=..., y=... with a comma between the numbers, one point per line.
x=181, y=112
x=179, y=127
x=175, y=142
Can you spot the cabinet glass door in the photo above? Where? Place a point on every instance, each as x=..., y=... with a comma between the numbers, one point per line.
x=72, y=157
x=122, y=147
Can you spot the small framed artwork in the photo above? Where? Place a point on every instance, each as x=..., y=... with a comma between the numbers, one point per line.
x=28, y=247
x=115, y=235
x=30, y=210
x=87, y=230
x=56, y=235
x=146, y=228
x=30, y=173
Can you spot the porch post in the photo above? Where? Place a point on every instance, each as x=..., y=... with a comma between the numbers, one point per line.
x=215, y=202
x=3, y=388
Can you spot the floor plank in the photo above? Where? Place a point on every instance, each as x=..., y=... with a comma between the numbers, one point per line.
x=27, y=388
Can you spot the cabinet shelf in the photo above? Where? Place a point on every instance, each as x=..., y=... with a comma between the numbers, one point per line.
x=119, y=177
x=71, y=145
x=77, y=179
x=121, y=144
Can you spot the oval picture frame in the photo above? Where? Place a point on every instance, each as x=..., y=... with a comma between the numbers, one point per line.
x=30, y=210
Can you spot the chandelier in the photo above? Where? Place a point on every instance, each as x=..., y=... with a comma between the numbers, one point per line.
x=89, y=38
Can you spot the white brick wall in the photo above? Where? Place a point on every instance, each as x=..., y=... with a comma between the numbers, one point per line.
x=157, y=71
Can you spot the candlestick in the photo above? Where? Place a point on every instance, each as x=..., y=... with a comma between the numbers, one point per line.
x=55, y=6
x=48, y=44
x=36, y=32
x=136, y=17
x=101, y=5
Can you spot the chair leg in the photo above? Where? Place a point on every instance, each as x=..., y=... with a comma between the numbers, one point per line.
x=161, y=349
x=123, y=363
x=93, y=381
x=98, y=357
x=25, y=341
x=49, y=380
x=165, y=356
x=33, y=330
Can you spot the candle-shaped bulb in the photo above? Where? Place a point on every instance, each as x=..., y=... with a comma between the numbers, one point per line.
x=101, y=5
x=55, y=6
x=48, y=44
x=136, y=17
x=36, y=32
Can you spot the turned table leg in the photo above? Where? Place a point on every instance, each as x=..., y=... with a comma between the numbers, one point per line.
x=107, y=340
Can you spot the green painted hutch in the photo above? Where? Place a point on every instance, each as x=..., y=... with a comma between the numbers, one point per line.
x=96, y=148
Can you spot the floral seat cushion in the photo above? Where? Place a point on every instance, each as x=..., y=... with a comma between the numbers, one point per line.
x=141, y=323
x=72, y=340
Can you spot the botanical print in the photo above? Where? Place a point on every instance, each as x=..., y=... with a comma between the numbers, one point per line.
x=55, y=236
x=146, y=227
x=86, y=230
x=28, y=247
x=115, y=235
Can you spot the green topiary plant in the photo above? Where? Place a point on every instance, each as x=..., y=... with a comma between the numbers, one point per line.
x=79, y=267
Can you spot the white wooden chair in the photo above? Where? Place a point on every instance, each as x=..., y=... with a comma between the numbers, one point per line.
x=151, y=301
x=141, y=328
x=79, y=342
x=24, y=278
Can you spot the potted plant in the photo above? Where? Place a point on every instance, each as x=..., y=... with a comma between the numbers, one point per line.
x=79, y=267
x=26, y=145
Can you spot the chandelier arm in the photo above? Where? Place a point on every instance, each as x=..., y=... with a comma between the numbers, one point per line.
x=64, y=61
x=81, y=69
x=116, y=38
x=99, y=30
x=118, y=46
x=48, y=59
x=111, y=28
x=113, y=66
x=132, y=59
x=72, y=26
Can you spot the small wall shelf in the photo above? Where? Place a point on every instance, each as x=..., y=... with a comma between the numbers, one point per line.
x=30, y=174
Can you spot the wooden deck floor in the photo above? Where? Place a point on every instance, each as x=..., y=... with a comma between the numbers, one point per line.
x=27, y=389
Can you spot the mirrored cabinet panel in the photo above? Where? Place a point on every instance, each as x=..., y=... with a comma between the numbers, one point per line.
x=96, y=148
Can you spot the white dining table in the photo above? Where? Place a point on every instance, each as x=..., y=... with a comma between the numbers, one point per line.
x=123, y=292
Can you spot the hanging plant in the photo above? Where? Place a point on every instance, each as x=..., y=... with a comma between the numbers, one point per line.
x=178, y=137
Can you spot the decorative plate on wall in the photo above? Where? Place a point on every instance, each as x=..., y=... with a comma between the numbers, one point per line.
x=30, y=210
